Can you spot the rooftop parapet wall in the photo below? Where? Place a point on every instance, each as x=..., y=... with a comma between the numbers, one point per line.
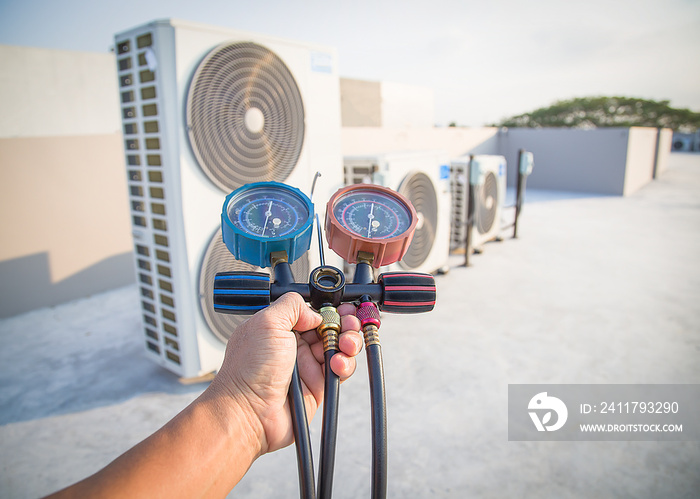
x=615, y=161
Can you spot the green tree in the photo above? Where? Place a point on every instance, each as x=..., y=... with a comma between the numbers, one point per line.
x=594, y=112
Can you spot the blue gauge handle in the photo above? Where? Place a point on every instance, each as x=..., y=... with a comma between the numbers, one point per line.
x=265, y=217
x=241, y=292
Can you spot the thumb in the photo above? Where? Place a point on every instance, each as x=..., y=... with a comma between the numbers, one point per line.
x=295, y=313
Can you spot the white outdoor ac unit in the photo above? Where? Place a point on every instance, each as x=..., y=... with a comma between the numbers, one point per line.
x=489, y=174
x=206, y=110
x=682, y=142
x=423, y=177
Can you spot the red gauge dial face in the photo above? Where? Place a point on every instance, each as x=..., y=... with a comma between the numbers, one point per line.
x=372, y=214
x=371, y=219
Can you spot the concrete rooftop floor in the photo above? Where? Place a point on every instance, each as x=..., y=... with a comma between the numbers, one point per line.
x=595, y=290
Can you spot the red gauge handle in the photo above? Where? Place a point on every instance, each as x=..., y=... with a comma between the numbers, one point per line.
x=348, y=244
x=407, y=292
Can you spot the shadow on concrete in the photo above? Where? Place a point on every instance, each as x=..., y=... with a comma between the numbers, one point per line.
x=34, y=398
x=79, y=356
x=25, y=282
x=86, y=392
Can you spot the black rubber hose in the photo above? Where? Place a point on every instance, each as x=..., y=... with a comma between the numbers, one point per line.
x=377, y=395
x=329, y=429
x=302, y=438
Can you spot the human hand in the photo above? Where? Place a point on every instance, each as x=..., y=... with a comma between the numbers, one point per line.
x=207, y=448
x=260, y=357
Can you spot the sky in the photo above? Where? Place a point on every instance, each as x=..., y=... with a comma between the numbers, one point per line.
x=485, y=60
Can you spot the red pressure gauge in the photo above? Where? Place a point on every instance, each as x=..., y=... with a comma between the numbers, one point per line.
x=372, y=219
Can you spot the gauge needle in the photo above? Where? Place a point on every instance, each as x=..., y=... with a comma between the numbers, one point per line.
x=369, y=225
x=267, y=217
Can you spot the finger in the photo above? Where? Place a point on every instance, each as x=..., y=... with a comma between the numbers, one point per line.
x=309, y=340
x=350, y=343
x=343, y=366
x=346, y=309
x=310, y=372
x=317, y=352
x=349, y=323
x=309, y=337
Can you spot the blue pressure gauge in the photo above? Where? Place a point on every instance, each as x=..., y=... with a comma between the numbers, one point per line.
x=264, y=217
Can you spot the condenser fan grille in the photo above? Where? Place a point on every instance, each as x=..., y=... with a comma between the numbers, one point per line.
x=218, y=258
x=418, y=188
x=486, y=204
x=245, y=116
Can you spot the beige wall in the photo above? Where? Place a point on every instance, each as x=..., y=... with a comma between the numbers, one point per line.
x=360, y=103
x=64, y=217
x=57, y=92
x=386, y=104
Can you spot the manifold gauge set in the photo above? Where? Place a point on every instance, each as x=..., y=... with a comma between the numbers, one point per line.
x=270, y=224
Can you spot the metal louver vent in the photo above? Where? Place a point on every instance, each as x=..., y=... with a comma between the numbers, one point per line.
x=218, y=258
x=418, y=188
x=486, y=204
x=245, y=116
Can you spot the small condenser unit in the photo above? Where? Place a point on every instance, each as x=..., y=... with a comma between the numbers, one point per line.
x=487, y=173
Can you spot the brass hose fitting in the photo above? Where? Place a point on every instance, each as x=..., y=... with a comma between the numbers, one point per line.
x=278, y=257
x=329, y=329
x=371, y=334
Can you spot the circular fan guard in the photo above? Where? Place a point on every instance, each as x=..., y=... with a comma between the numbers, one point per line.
x=245, y=116
x=418, y=188
x=486, y=205
x=218, y=258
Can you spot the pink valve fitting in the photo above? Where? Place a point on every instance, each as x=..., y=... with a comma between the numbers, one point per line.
x=368, y=314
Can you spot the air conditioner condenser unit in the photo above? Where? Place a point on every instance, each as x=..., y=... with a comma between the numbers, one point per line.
x=487, y=175
x=423, y=177
x=204, y=111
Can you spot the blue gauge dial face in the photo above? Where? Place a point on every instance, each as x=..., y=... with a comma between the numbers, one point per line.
x=371, y=214
x=268, y=212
